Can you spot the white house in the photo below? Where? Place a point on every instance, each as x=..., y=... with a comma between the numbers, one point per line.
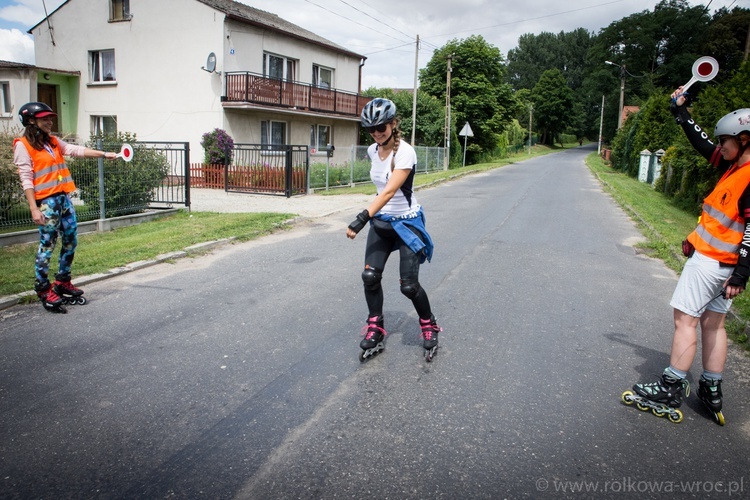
x=172, y=70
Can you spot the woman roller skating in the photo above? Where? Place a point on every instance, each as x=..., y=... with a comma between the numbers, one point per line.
x=396, y=223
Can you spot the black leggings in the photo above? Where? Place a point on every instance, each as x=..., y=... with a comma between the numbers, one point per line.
x=382, y=239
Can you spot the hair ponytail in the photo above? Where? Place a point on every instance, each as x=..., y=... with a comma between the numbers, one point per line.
x=396, y=142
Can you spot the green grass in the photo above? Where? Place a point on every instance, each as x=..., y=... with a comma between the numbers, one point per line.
x=100, y=252
x=664, y=226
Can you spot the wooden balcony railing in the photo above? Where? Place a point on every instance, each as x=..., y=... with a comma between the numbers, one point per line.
x=257, y=89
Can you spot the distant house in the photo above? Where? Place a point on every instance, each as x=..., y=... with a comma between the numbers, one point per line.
x=172, y=70
x=21, y=83
x=629, y=110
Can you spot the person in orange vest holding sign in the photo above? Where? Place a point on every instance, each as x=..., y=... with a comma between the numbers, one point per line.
x=716, y=271
x=47, y=183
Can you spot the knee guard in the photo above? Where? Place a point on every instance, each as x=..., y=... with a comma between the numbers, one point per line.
x=371, y=278
x=410, y=288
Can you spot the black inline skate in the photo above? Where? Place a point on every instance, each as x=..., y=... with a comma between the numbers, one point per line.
x=662, y=397
x=430, y=330
x=709, y=391
x=49, y=298
x=68, y=292
x=374, y=334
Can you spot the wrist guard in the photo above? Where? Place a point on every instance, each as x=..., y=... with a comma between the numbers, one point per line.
x=680, y=113
x=360, y=221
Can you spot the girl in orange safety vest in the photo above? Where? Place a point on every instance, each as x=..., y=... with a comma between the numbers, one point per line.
x=46, y=182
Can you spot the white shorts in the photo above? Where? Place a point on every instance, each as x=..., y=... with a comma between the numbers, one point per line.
x=699, y=286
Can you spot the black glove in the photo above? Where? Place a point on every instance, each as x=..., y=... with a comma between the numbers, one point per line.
x=360, y=221
x=680, y=113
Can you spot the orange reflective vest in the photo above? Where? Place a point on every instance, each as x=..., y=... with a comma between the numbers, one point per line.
x=721, y=226
x=51, y=174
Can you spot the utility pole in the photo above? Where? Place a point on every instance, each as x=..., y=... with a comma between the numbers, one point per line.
x=414, y=102
x=601, y=122
x=446, y=156
x=531, y=114
x=622, y=90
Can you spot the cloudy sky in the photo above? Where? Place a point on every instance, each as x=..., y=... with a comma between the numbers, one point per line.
x=385, y=30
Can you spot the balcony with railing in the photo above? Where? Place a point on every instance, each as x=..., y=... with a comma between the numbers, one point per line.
x=245, y=87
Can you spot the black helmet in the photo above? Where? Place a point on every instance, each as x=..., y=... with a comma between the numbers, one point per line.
x=34, y=110
x=378, y=111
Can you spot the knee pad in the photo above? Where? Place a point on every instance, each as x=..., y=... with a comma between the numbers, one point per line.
x=410, y=288
x=371, y=278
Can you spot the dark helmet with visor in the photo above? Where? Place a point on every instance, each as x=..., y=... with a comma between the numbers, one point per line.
x=34, y=110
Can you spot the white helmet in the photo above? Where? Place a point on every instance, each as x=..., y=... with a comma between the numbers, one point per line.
x=733, y=123
x=378, y=111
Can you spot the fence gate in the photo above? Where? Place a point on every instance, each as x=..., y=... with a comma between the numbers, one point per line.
x=268, y=169
x=175, y=188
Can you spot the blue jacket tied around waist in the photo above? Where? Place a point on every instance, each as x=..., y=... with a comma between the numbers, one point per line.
x=415, y=220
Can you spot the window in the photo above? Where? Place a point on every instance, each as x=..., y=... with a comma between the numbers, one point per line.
x=279, y=67
x=273, y=133
x=322, y=77
x=5, y=104
x=103, y=125
x=320, y=137
x=102, y=66
x=119, y=10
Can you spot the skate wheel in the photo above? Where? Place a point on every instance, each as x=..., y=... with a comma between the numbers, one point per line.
x=361, y=356
x=430, y=353
x=627, y=397
x=675, y=416
x=719, y=418
x=659, y=412
x=81, y=300
x=641, y=406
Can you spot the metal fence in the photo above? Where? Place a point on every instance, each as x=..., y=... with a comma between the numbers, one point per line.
x=356, y=168
x=267, y=169
x=157, y=177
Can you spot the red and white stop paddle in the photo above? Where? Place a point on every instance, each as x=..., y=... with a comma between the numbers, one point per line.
x=704, y=69
x=126, y=152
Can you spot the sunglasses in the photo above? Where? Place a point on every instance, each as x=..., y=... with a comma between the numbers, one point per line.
x=377, y=128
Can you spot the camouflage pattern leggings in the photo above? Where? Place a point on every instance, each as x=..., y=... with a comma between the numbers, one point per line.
x=61, y=217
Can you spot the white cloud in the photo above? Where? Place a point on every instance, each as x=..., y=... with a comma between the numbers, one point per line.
x=16, y=46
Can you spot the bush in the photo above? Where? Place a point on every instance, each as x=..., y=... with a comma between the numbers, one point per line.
x=217, y=146
x=128, y=187
x=11, y=193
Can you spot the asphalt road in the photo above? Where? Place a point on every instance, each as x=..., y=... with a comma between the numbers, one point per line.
x=236, y=374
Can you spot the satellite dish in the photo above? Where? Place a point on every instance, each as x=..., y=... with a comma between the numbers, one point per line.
x=211, y=64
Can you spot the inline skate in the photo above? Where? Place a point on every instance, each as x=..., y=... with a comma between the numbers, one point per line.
x=709, y=392
x=49, y=298
x=430, y=330
x=662, y=397
x=69, y=293
x=374, y=334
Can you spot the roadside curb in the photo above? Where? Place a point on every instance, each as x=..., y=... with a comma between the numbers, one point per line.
x=12, y=300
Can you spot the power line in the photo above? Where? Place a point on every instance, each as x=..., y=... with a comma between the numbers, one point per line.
x=344, y=17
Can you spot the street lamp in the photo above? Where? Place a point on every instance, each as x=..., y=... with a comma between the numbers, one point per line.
x=622, y=91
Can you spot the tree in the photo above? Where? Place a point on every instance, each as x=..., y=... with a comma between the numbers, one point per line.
x=553, y=102
x=478, y=93
x=537, y=53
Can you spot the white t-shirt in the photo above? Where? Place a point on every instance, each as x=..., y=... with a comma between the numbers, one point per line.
x=403, y=202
